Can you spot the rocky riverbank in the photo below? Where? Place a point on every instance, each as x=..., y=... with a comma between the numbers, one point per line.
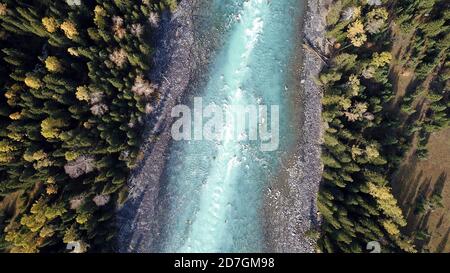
x=174, y=66
x=291, y=201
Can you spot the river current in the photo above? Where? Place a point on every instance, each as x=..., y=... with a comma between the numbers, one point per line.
x=215, y=189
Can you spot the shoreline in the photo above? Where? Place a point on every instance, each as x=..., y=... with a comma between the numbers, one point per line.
x=138, y=228
x=291, y=206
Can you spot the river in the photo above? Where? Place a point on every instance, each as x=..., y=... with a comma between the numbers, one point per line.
x=214, y=190
x=228, y=195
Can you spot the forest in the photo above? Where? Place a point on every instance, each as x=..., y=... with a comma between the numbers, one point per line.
x=74, y=96
x=368, y=128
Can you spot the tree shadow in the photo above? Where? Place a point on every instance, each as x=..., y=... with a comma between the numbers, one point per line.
x=418, y=222
x=441, y=221
x=440, y=184
x=441, y=247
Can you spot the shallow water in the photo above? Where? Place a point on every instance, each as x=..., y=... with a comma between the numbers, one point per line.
x=215, y=189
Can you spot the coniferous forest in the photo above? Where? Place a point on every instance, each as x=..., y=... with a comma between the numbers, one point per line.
x=367, y=132
x=74, y=95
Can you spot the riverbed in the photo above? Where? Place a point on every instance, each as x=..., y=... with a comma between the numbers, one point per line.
x=228, y=195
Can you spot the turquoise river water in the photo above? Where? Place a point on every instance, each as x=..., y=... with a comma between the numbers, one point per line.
x=216, y=188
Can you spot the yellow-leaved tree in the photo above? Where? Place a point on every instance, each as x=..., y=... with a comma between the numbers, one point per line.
x=357, y=34
x=53, y=64
x=50, y=127
x=387, y=203
x=50, y=24
x=381, y=59
x=33, y=82
x=70, y=30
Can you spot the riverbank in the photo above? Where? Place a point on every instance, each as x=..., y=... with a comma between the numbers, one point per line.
x=174, y=62
x=291, y=200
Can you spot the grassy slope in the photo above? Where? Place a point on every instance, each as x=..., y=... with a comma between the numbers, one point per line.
x=416, y=178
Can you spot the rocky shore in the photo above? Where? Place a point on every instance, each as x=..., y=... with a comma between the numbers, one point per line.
x=291, y=201
x=174, y=61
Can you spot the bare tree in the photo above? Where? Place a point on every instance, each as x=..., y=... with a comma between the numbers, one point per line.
x=153, y=19
x=101, y=200
x=143, y=87
x=99, y=109
x=83, y=164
